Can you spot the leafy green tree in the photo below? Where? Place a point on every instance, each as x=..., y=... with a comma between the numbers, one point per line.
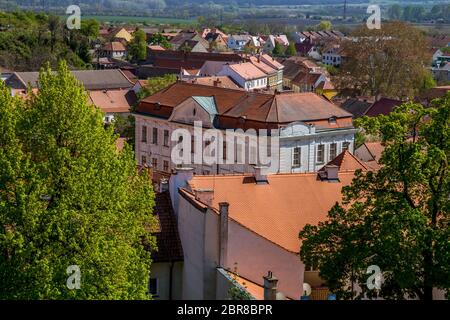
x=137, y=48
x=324, y=25
x=69, y=197
x=278, y=50
x=291, y=50
x=398, y=217
x=90, y=28
x=159, y=39
x=156, y=84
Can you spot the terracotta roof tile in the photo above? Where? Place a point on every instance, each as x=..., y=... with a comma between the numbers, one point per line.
x=346, y=161
x=278, y=210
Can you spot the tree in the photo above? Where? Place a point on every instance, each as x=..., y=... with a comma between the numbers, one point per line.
x=398, y=217
x=137, y=48
x=159, y=39
x=390, y=61
x=324, y=25
x=156, y=84
x=291, y=50
x=68, y=197
x=278, y=50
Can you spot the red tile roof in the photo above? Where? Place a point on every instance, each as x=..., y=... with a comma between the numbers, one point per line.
x=276, y=211
x=114, y=46
x=346, y=161
x=383, y=106
x=275, y=109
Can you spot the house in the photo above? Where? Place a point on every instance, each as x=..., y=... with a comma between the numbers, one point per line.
x=442, y=73
x=326, y=89
x=333, y=55
x=271, y=40
x=318, y=37
x=114, y=50
x=311, y=130
x=356, y=106
x=440, y=58
x=121, y=34
x=217, y=37
x=190, y=39
x=110, y=90
x=248, y=225
x=238, y=41
x=246, y=74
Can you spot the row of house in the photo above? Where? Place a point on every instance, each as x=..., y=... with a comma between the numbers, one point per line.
x=110, y=90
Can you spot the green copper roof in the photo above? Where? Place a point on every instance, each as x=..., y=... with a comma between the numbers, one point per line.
x=208, y=104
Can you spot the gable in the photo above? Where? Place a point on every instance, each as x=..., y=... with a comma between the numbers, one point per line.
x=296, y=129
x=195, y=109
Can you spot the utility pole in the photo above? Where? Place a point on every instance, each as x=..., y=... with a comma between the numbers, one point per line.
x=345, y=10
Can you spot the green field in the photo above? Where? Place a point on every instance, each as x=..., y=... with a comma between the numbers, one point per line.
x=135, y=19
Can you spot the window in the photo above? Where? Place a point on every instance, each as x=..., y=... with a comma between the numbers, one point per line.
x=296, y=158
x=333, y=151
x=153, y=287
x=166, y=138
x=144, y=134
x=155, y=136
x=345, y=145
x=166, y=166
x=154, y=163
x=320, y=153
x=192, y=144
x=224, y=151
x=143, y=160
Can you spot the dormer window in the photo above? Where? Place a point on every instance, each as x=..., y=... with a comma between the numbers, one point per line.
x=332, y=120
x=194, y=112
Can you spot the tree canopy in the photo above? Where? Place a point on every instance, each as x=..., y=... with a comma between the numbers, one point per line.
x=398, y=217
x=390, y=61
x=69, y=197
x=137, y=48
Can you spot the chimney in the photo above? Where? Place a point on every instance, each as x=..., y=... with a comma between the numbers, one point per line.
x=270, y=287
x=179, y=179
x=223, y=234
x=217, y=82
x=260, y=178
x=163, y=185
x=330, y=172
x=204, y=195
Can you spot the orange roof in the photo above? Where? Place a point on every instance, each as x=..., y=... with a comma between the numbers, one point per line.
x=375, y=149
x=346, y=162
x=262, y=66
x=156, y=47
x=247, y=70
x=113, y=100
x=114, y=46
x=278, y=210
x=256, y=290
x=219, y=81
